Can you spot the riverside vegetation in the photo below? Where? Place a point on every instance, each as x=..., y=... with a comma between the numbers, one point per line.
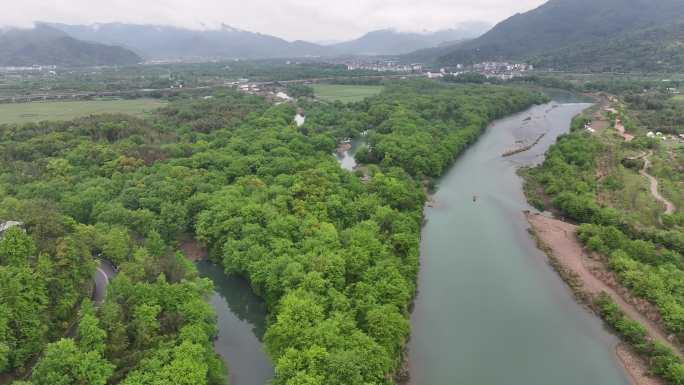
x=593, y=179
x=334, y=258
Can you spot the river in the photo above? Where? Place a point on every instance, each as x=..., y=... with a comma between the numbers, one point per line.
x=241, y=322
x=346, y=159
x=490, y=310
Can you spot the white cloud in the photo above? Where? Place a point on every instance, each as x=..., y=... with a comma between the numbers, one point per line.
x=291, y=19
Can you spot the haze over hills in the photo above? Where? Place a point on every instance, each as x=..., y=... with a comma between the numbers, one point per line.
x=588, y=34
x=44, y=45
x=166, y=42
x=391, y=42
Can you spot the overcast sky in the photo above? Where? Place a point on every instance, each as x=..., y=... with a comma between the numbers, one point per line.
x=314, y=20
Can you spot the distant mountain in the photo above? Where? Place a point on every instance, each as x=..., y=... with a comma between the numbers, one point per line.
x=166, y=42
x=44, y=45
x=571, y=32
x=392, y=42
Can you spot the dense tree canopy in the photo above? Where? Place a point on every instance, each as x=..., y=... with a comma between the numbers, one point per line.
x=334, y=256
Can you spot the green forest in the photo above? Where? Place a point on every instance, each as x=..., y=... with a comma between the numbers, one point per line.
x=334, y=257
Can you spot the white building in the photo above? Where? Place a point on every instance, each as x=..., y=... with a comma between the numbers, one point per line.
x=4, y=226
x=283, y=96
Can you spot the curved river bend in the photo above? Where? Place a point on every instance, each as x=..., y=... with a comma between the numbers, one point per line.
x=241, y=322
x=490, y=310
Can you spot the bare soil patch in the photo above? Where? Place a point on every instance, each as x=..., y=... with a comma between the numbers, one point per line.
x=192, y=249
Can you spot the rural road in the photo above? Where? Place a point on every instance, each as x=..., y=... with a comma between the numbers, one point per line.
x=105, y=271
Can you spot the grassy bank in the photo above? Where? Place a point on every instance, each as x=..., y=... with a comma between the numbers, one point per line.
x=345, y=93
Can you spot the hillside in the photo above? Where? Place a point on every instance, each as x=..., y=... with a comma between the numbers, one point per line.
x=659, y=49
x=391, y=42
x=559, y=30
x=44, y=45
x=167, y=42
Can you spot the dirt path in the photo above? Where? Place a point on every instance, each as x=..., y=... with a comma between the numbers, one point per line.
x=561, y=240
x=669, y=207
x=620, y=126
x=621, y=129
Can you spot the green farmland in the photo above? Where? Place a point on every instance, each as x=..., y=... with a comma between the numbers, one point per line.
x=345, y=93
x=39, y=111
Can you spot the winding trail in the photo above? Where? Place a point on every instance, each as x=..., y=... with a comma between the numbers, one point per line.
x=620, y=127
x=669, y=206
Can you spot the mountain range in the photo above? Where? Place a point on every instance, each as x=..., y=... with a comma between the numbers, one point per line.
x=576, y=35
x=166, y=42
x=44, y=45
x=595, y=35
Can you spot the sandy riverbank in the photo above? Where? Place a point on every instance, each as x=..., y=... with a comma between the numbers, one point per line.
x=588, y=278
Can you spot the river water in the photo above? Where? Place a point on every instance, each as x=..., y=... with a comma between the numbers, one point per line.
x=346, y=159
x=241, y=322
x=490, y=310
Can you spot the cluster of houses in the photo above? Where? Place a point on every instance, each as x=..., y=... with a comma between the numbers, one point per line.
x=274, y=93
x=36, y=68
x=502, y=67
x=502, y=70
x=383, y=66
x=491, y=70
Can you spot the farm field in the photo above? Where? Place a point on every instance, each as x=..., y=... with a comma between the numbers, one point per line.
x=678, y=98
x=345, y=93
x=39, y=111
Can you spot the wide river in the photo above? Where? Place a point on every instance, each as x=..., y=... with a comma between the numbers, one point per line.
x=490, y=310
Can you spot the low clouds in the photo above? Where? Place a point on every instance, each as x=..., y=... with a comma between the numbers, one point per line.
x=291, y=19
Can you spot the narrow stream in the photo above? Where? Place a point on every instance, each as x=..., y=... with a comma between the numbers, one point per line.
x=242, y=323
x=490, y=310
